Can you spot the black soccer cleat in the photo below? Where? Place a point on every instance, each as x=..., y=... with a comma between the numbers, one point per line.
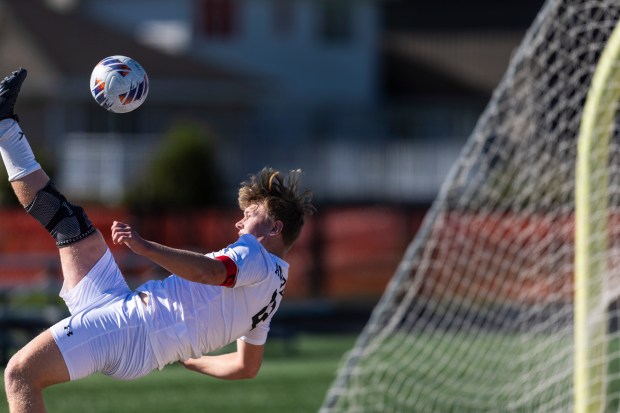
x=9, y=89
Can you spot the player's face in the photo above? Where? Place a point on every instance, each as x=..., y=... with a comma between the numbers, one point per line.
x=255, y=222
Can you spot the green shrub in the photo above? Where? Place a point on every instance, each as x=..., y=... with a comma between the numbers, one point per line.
x=182, y=174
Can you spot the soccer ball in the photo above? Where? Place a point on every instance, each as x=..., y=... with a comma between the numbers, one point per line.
x=119, y=84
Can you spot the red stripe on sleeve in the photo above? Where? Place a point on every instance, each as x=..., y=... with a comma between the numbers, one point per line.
x=231, y=271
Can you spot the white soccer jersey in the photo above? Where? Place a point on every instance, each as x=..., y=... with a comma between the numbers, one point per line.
x=190, y=319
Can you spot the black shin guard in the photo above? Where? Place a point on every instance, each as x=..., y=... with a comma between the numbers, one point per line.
x=66, y=222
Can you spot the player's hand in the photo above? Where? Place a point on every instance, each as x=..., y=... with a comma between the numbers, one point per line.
x=123, y=234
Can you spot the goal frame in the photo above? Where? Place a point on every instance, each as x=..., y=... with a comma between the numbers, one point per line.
x=591, y=220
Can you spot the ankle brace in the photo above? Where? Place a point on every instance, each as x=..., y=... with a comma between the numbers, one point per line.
x=66, y=222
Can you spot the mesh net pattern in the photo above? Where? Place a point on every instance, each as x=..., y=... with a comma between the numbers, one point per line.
x=479, y=315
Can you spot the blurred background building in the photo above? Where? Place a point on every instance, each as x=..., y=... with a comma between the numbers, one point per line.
x=372, y=98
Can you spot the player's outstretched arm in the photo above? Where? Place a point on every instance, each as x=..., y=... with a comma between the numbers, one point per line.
x=190, y=265
x=242, y=364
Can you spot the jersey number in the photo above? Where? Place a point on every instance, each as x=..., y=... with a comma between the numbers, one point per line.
x=266, y=311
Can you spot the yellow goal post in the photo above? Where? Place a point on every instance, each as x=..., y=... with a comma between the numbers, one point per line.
x=591, y=231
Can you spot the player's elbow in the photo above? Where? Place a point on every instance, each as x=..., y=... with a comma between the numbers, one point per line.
x=250, y=371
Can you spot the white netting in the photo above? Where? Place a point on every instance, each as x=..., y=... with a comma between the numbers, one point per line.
x=479, y=316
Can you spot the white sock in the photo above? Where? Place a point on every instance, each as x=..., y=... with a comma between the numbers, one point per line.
x=15, y=150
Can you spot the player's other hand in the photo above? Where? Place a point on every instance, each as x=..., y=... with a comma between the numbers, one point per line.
x=123, y=234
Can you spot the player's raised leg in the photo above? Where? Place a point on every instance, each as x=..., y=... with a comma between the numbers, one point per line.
x=40, y=363
x=80, y=244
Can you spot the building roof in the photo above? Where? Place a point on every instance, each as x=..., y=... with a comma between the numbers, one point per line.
x=440, y=63
x=459, y=15
x=451, y=47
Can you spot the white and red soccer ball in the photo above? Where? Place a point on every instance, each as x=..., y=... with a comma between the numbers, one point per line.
x=119, y=84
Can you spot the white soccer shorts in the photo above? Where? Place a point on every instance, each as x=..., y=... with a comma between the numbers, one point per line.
x=106, y=331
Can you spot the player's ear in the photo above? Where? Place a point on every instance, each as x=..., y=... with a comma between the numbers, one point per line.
x=276, y=228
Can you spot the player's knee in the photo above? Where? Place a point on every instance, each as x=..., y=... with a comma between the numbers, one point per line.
x=66, y=222
x=18, y=375
x=22, y=376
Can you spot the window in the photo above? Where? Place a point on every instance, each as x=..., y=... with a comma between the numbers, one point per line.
x=283, y=17
x=217, y=18
x=336, y=21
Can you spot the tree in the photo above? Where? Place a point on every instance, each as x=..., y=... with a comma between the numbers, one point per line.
x=182, y=175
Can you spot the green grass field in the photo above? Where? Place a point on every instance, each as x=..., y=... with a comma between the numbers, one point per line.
x=294, y=379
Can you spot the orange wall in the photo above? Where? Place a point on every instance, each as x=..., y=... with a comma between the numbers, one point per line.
x=343, y=253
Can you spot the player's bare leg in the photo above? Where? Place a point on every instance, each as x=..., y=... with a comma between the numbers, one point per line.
x=40, y=364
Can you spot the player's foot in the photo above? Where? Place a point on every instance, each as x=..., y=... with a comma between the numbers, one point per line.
x=9, y=89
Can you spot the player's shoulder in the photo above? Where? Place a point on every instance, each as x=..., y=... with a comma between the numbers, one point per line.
x=245, y=247
x=249, y=241
x=253, y=247
x=243, y=242
x=249, y=248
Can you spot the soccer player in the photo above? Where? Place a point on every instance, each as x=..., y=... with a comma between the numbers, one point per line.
x=209, y=301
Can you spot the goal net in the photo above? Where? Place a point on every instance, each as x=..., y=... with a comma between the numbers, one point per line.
x=505, y=301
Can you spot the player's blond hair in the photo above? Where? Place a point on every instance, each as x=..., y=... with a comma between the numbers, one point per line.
x=282, y=197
